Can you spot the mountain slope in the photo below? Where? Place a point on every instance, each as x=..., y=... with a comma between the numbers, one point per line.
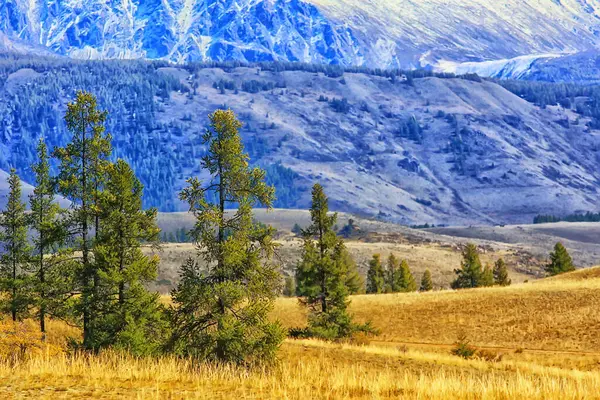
x=433, y=150
x=377, y=33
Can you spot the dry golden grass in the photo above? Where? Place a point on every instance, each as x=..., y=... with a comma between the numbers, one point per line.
x=556, y=315
x=307, y=370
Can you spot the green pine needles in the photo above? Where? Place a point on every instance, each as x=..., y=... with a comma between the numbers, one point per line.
x=221, y=312
x=325, y=276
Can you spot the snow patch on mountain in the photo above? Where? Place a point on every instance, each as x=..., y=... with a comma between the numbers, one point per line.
x=514, y=68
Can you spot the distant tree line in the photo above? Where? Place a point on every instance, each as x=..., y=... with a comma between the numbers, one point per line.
x=587, y=217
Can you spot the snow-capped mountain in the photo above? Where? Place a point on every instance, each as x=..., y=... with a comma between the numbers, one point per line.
x=180, y=30
x=375, y=33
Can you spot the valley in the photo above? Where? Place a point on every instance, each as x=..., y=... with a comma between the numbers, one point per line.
x=525, y=248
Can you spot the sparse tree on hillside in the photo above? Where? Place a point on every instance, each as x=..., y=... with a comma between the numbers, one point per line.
x=51, y=266
x=354, y=280
x=322, y=274
x=82, y=171
x=470, y=273
x=406, y=281
x=134, y=319
x=392, y=274
x=375, y=276
x=501, y=273
x=487, y=277
x=221, y=313
x=15, y=259
x=560, y=261
x=426, y=283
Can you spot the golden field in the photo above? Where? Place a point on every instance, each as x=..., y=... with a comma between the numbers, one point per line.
x=543, y=335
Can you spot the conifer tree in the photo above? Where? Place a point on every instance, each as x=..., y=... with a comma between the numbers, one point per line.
x=487, y=277
x=426, y=283
x=221, y=313
x=322, y=274
x=51, y=267
x=501, y=273
x=15, y=259
x=392, y=274
x=82, y=171
x=375, y=276
x=406, y=280
x=134, y=318
x=354, y=280
x=470, y=273
x=560, y=261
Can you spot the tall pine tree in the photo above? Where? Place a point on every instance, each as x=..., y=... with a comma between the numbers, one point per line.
x=470, y=273
x=134, y=319
x=222, y=312
x=322, y=274
x=375, y=276
x=83, y=166
x=15, y=259
x=51, y=266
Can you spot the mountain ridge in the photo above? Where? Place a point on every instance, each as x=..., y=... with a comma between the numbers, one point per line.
x=377, y=33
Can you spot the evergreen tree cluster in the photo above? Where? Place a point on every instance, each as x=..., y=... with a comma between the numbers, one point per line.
x=587, y=217
x=83, y=264
x=395, y=277
x=472, y=274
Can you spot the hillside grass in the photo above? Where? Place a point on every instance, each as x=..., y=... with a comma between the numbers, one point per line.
x=410, y=359
x=558, y=314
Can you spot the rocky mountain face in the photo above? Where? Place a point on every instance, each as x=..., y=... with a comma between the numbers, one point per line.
x=422, y=150
x=377, y=33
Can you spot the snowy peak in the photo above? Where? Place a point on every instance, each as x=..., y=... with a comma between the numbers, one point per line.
x=183, y=30
x=375, y=33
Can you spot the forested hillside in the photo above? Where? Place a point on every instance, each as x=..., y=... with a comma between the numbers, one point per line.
x=407, y=147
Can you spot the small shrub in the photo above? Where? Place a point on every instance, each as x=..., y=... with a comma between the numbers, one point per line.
x=20, y=340
x=463, y=348
x=519, y=350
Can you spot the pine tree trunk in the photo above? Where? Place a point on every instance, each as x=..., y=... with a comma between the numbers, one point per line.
x=13, y=305
x=84, y=248
x=221, y=230
x=43, y=303
x=323, y=277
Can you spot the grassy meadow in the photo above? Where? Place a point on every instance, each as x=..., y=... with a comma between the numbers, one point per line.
x=537, y=340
